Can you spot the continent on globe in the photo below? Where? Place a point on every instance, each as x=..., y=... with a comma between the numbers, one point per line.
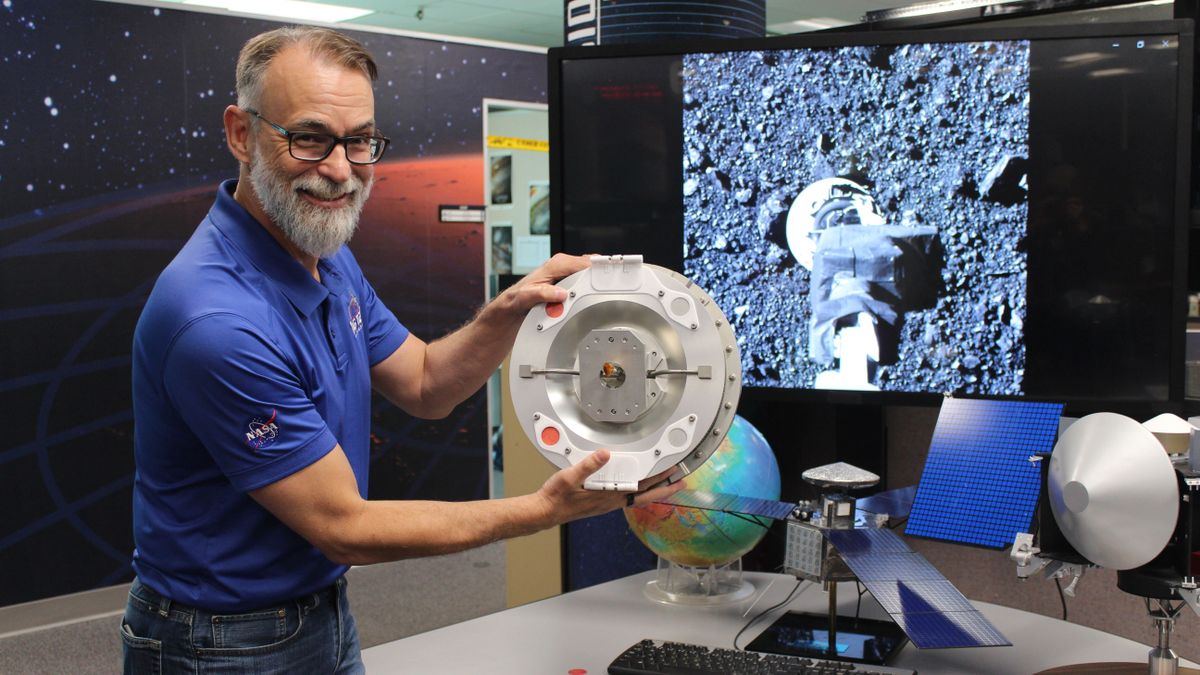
x=743, y=464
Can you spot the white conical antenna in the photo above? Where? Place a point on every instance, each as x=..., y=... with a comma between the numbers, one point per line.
x=1113, y=491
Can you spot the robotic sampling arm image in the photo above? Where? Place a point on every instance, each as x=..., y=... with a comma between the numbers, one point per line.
x=865, y=275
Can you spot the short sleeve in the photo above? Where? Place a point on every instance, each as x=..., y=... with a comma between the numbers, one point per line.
x=241, y=396
x=385, y=333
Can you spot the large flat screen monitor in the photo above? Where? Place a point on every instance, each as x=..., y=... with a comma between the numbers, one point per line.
x=994, y=212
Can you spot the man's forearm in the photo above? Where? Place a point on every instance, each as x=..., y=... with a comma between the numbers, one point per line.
x=458, y=364
x=395, y=530
x=428, y=380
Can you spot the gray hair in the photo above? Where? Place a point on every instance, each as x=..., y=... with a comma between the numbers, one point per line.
x=260, y=50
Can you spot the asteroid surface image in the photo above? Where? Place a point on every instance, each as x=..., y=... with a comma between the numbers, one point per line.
x=929, y=137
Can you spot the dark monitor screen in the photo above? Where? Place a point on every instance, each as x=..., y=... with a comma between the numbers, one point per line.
x=997, y=212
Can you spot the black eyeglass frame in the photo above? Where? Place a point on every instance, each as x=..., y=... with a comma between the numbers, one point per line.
x=337, y=140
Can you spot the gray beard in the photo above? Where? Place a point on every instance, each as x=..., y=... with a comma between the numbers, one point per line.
x=316, y=231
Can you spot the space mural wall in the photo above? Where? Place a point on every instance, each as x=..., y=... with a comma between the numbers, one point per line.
x=111, y=148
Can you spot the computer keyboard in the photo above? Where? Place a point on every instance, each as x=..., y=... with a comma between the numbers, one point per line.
x=656, y=657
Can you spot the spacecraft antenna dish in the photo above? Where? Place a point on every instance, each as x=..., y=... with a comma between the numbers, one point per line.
x=1113, y=491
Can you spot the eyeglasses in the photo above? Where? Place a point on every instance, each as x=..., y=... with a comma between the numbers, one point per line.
x=308, y=146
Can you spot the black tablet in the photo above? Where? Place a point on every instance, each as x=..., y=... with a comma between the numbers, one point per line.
x=858, y=640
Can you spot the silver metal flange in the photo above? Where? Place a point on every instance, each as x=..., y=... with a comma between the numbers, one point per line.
x=637, y=360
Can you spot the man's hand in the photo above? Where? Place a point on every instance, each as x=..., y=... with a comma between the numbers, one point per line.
x=428, y=380
x=566, y=499
x=538, y=286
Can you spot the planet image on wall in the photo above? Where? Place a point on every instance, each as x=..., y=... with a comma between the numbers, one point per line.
x=743, y=464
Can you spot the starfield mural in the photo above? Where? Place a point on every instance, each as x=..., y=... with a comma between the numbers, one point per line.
x=111, y=148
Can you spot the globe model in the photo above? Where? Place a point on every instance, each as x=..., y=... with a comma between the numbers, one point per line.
x=742, y=465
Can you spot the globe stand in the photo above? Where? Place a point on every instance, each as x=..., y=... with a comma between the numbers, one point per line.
x=676, y=584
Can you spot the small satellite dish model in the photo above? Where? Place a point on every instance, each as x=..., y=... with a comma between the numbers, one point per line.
x=637, y=360
x=1112, y=490
x=1113, y=498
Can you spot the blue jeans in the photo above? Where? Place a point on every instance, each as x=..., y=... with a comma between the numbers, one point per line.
x=311, y=634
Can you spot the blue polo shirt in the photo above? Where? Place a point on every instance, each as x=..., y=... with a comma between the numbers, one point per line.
x=245, y=370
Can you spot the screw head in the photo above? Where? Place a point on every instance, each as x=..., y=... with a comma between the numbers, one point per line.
x=657, y=452
x=571, y=294
x=539, y=326
x=694, y=326
x=661, y=293
x=691, y=418
x=537, y=416
x=566, y=451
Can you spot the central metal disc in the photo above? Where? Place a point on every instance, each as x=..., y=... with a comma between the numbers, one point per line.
x=1113, y=491
x=638, y=360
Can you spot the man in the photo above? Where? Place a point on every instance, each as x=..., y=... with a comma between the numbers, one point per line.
x=254, y=361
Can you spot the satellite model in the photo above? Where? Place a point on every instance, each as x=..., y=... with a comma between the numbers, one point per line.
x=1114, y=498
x=835, y=541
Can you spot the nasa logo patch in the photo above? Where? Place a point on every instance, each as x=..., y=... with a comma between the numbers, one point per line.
x=261, y=433
x=356, y=322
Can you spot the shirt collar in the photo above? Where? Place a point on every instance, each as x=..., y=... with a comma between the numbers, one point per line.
x=265, y=253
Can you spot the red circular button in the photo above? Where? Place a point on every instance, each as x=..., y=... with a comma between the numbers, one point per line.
x=550, y=436
x=554, y=310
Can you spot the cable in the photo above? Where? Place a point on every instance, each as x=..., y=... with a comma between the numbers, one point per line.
x=1061, y=597
x=756, y=617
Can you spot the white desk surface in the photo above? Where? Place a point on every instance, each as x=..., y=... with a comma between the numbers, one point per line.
x=583, y=631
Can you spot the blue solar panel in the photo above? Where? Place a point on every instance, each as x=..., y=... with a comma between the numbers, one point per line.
x=927, y=607
x=896, y=503
x=944, y=630
x=867, y=541
x=727, y=503
x=916, y=597
x=891, y=567
x=978, y=486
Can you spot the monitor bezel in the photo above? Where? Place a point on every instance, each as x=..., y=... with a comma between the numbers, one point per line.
x=1181, y=29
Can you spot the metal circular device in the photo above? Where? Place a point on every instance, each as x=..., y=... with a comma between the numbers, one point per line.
x=1113, y=491
x=829, y=202
x=637, y=360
